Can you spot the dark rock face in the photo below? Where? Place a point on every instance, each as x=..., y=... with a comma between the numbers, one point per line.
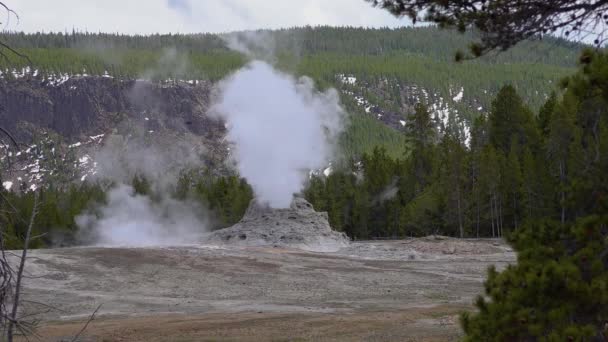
x=61, y=123
x=84, y=106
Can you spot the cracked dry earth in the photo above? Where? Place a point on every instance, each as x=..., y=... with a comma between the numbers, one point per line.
x=409, y=290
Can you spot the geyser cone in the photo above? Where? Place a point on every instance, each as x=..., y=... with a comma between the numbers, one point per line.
x=298, y=226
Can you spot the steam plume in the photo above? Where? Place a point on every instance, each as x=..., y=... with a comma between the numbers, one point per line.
x=129, y=219
x=281, y=126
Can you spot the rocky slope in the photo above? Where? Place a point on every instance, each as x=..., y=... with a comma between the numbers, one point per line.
x=59, y=121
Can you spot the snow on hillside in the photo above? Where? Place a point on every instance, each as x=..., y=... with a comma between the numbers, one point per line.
x=7, y=185
x=34, y=164
x=443, y=111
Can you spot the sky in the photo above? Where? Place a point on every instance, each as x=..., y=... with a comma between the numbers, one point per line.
x=189, y=16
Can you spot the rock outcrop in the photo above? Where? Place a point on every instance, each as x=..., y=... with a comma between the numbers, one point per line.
x=83, y=106
x=299, y=226
x=60, y=124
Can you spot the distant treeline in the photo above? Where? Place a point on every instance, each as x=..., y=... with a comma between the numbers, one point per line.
x=226, y=198
x=423, y=41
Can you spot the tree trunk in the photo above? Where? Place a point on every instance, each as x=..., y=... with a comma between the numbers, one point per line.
x=460, y=225
x=562, y=176
x=529, y=203
x=478, y=218
x=492, y=214
x=500, y=225
x=515, y=212
x=13, y=322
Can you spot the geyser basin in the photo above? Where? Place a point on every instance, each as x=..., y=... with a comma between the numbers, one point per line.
x=299, y=226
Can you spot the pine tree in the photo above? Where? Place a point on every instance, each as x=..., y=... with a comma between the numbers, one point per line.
x=451, y=179
x=558, y=291
x=510, y=119
x=561, y=135
x=544, y=116
x=421, y=134
x=489, y=183
x=512, y=182
x=529, y=186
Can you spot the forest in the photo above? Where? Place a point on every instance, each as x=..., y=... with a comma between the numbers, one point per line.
x=530, y=156
x=384, y=61
x=521, y=164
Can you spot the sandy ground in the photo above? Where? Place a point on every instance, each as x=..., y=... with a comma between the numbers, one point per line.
x=372, y=291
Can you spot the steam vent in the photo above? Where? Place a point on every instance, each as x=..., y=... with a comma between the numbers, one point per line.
x=299, y=226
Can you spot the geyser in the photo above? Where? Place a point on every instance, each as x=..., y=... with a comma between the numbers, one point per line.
x=298, y=226
x=281, y=126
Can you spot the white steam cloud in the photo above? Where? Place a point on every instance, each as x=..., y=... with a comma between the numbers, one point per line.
x=129, y=219
x=257, y=45
x=282, y=127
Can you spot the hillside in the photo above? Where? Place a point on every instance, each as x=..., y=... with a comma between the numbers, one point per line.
x=144, y=101
x=381, y=73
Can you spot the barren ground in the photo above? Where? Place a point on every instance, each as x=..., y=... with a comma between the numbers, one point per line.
x=373, y=291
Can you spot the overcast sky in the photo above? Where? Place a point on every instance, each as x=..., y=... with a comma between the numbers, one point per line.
x=186, y=16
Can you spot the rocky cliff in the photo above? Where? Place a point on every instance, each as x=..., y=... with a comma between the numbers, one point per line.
x=85, y=106
x=52, y=118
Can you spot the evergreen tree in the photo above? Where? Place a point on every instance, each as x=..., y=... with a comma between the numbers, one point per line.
x=561, y=136
x=557, y=291
x=544, y=116
x=451, y=181
x=512, y=183
x=421, y=134
x=511, y=119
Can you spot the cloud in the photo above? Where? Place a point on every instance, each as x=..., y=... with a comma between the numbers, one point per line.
x=189, y=16
x=180, y=5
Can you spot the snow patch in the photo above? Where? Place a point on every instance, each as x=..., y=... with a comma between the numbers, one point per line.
x=7, y=185
x=348, y=79
x=459, y=96
x=97, y=137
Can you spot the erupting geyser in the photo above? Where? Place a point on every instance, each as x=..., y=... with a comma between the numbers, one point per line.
x=281, y=128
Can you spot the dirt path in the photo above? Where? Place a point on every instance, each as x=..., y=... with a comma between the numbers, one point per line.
x=416, y=324
x=373, y=291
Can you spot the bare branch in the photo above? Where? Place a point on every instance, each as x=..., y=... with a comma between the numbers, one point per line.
x=8, y=134
x=87, y=324
x=45, y=305
x=504, y=23
x=21, y=268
